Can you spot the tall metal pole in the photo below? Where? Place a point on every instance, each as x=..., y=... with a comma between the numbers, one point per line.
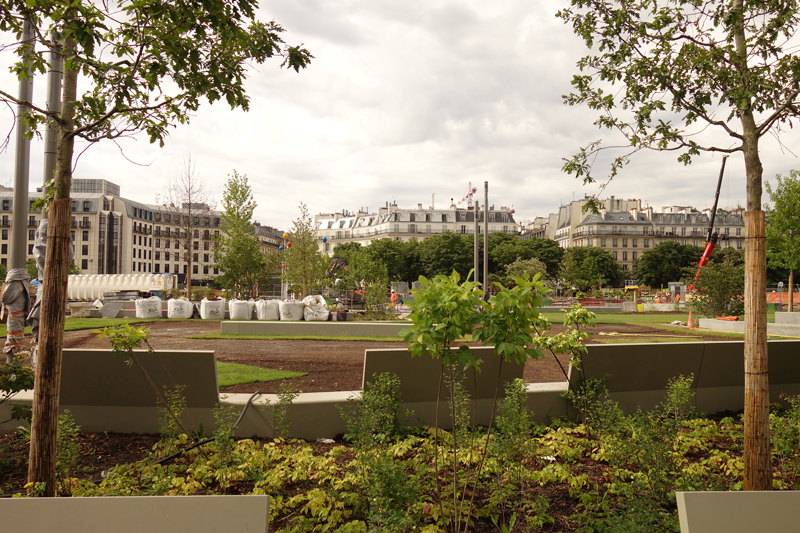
x=22, y=160
x=476, y=258
x=55, y=74
x=486, y=236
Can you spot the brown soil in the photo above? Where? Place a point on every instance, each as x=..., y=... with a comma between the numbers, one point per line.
x=330, y=365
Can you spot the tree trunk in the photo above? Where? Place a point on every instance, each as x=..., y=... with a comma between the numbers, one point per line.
x=791, y=291
x=47, y=383
x=757, y=453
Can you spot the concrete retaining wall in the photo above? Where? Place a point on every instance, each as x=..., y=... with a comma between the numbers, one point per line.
x=738, y=512
x=639, y=372
x=103, y=394
x=333, y=329
x=786, y=326
x=134, y=514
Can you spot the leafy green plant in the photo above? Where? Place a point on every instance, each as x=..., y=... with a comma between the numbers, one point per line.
x=15, y=377
x=374, y=417
x=680, y=397
x=570, y=342
x=280, y=423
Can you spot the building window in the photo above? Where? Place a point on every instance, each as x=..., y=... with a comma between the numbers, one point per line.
x=624, y=243
x=603, y=243
x=206, y=245
x=738, y=232
x=205, y=267
x=216, y=271
x=624, y=256
x=614, y=243
x=166, y=256
x=647, y=243
x=194, y=258
x=194, y=269
x=635, y=243
x=412, y=217
x=591, y=242
x=85, y=249
x=5, y=234
x=738, y=245
x=86, y=206
x=158, y=267
x=6, y=205
x=30, y=248
x=205, y=256
x=177, y=244
x=31, y=234
x=615, y=256
x=4, y=249
x=633, y=256
x=195, y=245
x=683, y=232
x=84, y=264
x=85, y=236
x=32, y=221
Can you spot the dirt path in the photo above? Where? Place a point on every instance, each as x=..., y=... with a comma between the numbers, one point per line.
x=330, y=365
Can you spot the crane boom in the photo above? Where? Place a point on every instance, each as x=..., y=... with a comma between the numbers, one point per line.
x=711, y=237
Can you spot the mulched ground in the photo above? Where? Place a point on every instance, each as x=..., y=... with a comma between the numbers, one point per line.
x=331, y=366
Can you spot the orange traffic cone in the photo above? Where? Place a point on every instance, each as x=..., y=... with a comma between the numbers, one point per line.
x=690, y=325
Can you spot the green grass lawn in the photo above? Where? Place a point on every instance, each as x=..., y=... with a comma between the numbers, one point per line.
x=234, y=374
x=74, y=323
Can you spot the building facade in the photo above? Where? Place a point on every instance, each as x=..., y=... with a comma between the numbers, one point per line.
x=114, y=235
x=626, y=229
x=403, y=224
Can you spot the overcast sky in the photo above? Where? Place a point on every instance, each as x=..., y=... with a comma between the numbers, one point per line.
x=406, y=102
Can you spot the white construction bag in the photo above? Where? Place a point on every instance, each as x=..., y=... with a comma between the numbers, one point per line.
x=291, y=309
x=212, y=309
x=268, y=310
x=148, y=307
x=179, y=308
x=240, y=310
x=315, y=309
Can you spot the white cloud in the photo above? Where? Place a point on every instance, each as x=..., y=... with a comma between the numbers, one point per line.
x=405, y=100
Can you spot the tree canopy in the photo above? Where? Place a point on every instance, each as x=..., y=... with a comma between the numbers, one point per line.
x=586, y=267
x=783, y=227
x=306, y=266
x=665, y=263
x=244, y=266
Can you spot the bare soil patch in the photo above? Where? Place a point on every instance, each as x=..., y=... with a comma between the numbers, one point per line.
x=331, y=365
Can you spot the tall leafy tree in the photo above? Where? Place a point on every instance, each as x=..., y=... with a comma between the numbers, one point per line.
x=441, y=254
x=693, y=73
x=306, y=266
x=664, y=263
x=389, y=253
x=147, y=66
x=783, y=228
x=590, y=266
x=507, y=251
x=244, y=265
